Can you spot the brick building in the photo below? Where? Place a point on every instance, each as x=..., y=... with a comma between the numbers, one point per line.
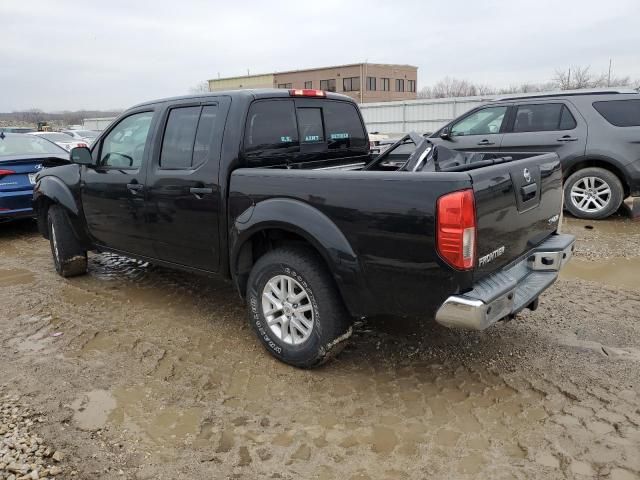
x=364, y=82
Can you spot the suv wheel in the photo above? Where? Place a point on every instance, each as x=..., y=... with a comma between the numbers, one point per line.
x=295, y=308
x=593, y=193
x=69, y=258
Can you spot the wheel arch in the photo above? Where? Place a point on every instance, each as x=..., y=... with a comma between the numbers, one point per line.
x=604, y=163
x=52, y=191
x=278, y=222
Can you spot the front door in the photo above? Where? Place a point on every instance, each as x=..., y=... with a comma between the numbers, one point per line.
x=479, y=131
x=550, y=126
x=113, y=192
x=183, y=189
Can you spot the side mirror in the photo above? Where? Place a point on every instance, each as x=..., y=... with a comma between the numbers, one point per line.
x=81, y=156
x=445, y=134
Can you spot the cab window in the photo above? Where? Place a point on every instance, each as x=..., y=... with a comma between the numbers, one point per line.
x=271, y=130
x=482, y=122
x=124, y=146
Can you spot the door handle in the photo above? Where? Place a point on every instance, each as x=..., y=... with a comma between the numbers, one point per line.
x=199, y=191
x=135, y=187
x=567, y=138
x=486, y=142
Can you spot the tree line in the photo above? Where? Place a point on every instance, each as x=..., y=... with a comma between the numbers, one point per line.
x=574, y=78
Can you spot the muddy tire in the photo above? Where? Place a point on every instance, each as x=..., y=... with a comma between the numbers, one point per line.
x=593, y=193
x=69, y=258
x=295, y=308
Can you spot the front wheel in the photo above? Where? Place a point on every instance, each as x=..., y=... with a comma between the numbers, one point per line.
x=593, y=193
x=69, y=258
x=295, y=308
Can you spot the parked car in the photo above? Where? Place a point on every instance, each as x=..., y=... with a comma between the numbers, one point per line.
x=21, y=157
x=276, y=190
x=595, y=133
x=61, y=139
x=86, y=136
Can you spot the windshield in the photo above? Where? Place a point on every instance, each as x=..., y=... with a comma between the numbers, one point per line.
x=20, y=144
x=57, y=137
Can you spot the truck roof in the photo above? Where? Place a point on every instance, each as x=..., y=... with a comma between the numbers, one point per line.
x=245, y=92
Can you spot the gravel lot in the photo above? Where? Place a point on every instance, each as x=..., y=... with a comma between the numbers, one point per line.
x=139, y=372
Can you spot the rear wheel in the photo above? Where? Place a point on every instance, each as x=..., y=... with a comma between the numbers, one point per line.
x=593, y=193
x=69, y=258
x=295, y=308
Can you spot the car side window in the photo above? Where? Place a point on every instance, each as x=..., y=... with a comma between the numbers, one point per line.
x=179, y=136
x=188, y=136
x=482, y=122
x=124, y=146
x=621, y=113
x=545, y=117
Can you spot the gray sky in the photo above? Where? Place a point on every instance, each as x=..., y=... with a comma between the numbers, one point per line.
x=68, y=55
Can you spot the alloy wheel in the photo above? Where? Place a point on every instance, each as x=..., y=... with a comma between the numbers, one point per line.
x=287, y=309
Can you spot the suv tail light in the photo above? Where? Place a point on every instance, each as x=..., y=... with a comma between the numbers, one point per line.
x=306, y=92
x=6, y=172
x=456, y=229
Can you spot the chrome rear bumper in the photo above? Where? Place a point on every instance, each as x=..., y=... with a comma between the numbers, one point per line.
x=510, y=290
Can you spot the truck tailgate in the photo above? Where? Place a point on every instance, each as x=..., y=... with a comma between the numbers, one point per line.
x=518, y=205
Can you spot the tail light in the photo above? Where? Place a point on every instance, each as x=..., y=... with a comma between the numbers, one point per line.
x=456, y=229
x=4, y=173
x=306, y=92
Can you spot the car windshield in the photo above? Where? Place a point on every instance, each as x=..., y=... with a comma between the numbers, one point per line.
x=20, y=144
x=57, y=137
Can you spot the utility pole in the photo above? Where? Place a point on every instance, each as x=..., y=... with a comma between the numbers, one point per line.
x=609, y=78
x=569, y=80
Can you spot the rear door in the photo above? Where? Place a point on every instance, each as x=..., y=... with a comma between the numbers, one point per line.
x=480, y=130
x=546, y=126
x=183, y=192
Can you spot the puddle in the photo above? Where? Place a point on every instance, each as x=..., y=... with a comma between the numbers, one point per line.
x=137, y=410
x=92, y=410
x=15, y=276
x=612, y=225
x=612, y=353
x=617, y=272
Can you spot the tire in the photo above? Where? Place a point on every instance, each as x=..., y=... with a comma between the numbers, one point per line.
x=69, y=258
x=593, y=193
x=312, y=294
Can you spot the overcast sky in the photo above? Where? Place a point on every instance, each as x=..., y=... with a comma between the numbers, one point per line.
x=110, y=54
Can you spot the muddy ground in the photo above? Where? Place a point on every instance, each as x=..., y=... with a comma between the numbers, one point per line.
x=139, y=372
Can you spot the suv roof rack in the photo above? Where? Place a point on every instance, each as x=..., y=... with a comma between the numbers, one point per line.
x=566, y=93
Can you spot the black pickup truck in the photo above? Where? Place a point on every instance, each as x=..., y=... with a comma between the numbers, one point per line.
x=276, y=191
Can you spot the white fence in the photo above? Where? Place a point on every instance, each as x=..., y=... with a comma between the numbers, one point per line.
x=416, y=115
x=97, y=123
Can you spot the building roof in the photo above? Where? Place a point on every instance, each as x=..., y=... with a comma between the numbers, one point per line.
x=315, y=69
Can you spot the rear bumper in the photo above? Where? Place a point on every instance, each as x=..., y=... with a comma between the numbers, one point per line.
x=16, y=204
x=510, y=290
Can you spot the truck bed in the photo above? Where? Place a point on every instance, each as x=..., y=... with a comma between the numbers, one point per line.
x=388, y=219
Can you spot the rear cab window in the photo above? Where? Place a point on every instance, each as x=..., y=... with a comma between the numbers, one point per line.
x=620, y=113
x=282, y=131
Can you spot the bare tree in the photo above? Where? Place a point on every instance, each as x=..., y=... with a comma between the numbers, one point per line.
x=575, y=78
x=200, y=87
x=453, y=87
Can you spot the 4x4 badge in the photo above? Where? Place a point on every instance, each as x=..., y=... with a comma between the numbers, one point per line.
x=527, y=175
